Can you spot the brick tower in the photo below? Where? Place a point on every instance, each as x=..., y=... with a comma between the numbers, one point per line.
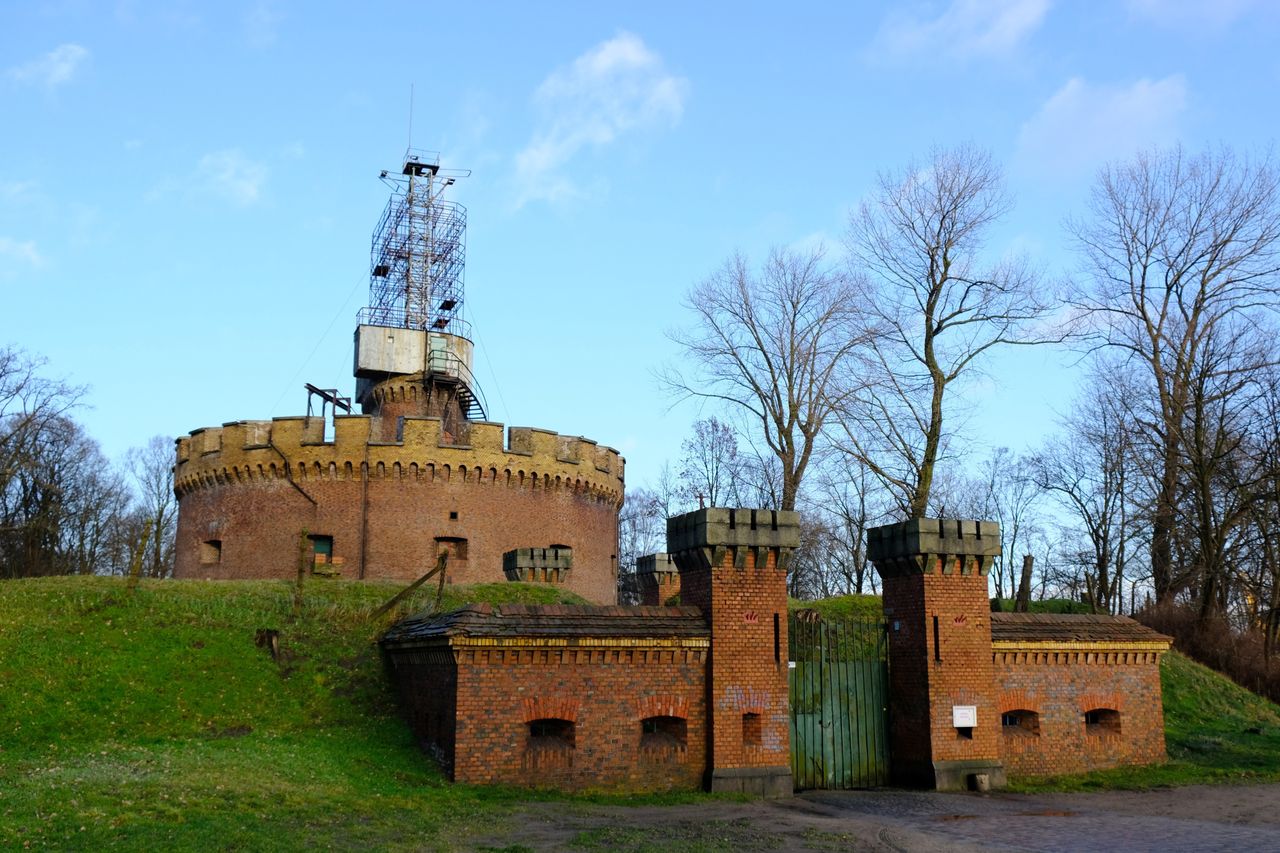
x=944, y=724
x=733, y=566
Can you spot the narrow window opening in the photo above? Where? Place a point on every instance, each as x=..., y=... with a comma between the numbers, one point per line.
x=551, y=734
x=210, y=552
x=937, y=647
x=777, y=639
x=453, y=515
x=1020, y=723
x=964, y=732
x=1102, y=721
x=659, y=734
x=752, y=729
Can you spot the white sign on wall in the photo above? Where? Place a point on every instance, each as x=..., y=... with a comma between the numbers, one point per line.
x=964, y=716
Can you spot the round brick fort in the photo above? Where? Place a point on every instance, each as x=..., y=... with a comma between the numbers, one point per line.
x=384, y=496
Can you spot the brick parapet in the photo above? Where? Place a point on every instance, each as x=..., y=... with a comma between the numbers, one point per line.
x=294, y=448
x=538, y=565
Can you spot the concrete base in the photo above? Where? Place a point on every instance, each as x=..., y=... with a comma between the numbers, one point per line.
x=767, y=782
x=965, y=775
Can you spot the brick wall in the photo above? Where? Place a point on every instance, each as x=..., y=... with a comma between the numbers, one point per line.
x=926, y=681
x=606, y=693
x=558, y=696
x=391, y=507
x=1059, y=686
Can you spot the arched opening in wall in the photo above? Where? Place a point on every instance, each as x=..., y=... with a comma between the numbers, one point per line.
x=1101, y=722
x=1020, y=723
x=664, y=734
x=210, y=552
x=551, y=735
x=752, y=729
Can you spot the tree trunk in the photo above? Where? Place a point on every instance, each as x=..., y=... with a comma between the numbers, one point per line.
x=1023, y=603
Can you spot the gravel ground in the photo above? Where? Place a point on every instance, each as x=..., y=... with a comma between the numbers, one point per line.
x=1201, y=818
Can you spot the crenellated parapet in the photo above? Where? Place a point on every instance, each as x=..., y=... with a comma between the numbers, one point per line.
x=296, y=449
x=934, y=545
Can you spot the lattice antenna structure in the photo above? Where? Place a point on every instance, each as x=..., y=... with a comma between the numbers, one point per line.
x=419, y=251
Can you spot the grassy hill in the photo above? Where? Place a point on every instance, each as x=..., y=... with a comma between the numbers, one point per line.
x=153, y=719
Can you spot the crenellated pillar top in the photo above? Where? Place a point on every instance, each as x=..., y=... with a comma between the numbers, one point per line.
x=701, y=539
x=934, y=545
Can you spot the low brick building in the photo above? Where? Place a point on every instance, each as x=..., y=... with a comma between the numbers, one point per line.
x=559, y=696
x=1077, y=692
x=631, y=698
x=975, y=695
x=670, y=697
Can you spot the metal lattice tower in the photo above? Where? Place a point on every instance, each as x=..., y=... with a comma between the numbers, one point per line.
x=419, y=251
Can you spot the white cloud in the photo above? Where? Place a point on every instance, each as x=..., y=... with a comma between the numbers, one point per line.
x=965, y=29
x=56, y=67
x=1194, y=13
x=1084, y=125
x=228, y=174
x=260, y=25
x=616, y=87
x=21, y=250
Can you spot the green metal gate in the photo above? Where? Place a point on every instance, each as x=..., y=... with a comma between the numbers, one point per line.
x=839, y=696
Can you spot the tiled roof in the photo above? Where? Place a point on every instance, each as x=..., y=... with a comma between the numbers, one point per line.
x=550, y=620
x=1070, y=628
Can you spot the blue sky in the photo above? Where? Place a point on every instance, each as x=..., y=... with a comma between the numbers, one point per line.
x=187, y=190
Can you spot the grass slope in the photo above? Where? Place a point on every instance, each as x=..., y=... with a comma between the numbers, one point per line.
x=152, y=720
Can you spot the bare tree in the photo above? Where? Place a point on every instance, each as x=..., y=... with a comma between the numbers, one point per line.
x=1090, y=471
x=61, y=511
x=30, y=403
x=773, y=345
x=711, y=470
x=1182, y=252
x=846, y=501
x=936, y=307
x=152, y=468
x=642, y=529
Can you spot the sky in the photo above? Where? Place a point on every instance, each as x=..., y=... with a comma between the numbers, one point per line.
x=188, y=190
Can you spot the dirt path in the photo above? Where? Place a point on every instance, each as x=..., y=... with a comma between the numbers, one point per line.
x=1194, y=818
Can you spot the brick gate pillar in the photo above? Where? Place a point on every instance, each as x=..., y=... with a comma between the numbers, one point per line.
x=658, y=577
x=733, y=565
x=944, y=720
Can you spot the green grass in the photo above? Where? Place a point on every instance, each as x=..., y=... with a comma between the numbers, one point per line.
x=1215, y=732
x=864, y=608
x=153, y=719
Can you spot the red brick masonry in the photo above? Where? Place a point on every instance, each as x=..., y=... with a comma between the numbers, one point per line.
x=656, y=698
x=477, y=684
x=1077, y=692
